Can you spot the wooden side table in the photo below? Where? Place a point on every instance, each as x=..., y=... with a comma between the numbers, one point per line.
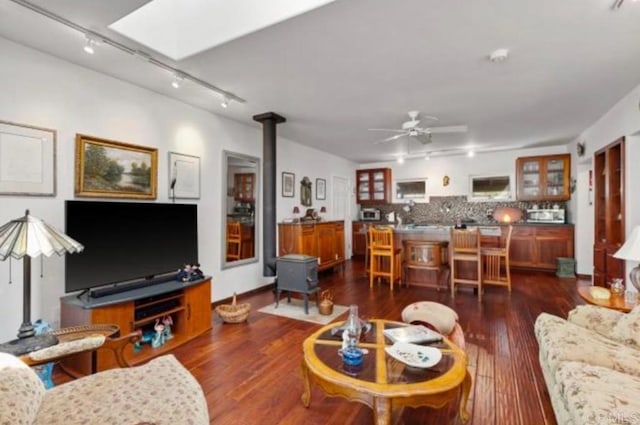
x=384, y=382
x=616, y=302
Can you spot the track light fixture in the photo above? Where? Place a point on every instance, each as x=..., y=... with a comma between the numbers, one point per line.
x=94, y=38
x=225, y=102
x=177, y=80
x=90, y=44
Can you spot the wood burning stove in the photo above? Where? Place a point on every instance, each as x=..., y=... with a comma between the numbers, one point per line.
x=297, y=273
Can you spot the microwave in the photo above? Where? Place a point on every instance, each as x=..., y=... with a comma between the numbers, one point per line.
x=370, y=214
x=546, y=216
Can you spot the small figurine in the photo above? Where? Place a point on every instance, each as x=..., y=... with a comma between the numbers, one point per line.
x=185, y=273
x=196, y=273
x=158, y=339
x=167, y=321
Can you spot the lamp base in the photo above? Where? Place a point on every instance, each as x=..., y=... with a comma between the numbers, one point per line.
x=21, y=346
x=634, y=276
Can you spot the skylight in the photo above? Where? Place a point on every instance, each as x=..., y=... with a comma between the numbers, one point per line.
x=181, y=28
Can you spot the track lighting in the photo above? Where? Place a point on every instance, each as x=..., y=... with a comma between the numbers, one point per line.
x=90, y=44
x=225, y=102
x=177, y=80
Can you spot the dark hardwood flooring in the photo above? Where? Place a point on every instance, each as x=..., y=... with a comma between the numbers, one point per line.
x=250, y=372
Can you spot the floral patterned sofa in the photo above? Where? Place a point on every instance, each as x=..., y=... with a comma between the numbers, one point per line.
x=159, y=392
x=591, y=365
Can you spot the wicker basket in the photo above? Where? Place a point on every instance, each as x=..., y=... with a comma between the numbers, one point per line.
x=234, y=313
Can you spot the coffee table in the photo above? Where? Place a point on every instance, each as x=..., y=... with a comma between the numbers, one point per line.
x=616, y=302
x=383, y=382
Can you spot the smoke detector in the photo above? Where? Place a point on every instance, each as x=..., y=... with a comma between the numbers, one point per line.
x=499, y=55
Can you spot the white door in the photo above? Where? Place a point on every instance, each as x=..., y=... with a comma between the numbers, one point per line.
x=340, y=209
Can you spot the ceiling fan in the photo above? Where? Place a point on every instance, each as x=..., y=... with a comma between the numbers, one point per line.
x=423, y=134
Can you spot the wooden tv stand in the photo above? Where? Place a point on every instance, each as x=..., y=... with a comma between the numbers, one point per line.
x=188, y=304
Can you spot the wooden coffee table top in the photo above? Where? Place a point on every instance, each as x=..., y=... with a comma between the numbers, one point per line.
x=616, y=302
x=383, y=381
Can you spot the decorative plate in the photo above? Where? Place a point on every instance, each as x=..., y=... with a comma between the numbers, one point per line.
x=414, y=355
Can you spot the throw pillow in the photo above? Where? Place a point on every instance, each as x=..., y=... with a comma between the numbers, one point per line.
x=627, y=330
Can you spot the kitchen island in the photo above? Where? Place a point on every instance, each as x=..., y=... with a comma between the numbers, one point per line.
x=533, y=246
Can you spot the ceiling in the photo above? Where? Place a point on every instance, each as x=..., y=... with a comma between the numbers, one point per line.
x=351, y=65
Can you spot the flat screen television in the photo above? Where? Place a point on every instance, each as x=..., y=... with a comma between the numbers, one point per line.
x=125, y=242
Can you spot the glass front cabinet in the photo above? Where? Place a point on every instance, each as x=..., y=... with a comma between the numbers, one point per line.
x=374, y=186
x=543, y=178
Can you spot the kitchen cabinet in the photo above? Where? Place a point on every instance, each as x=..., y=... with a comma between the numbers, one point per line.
x=373, y=186
x=539, y=246
x=543, y=178
x=243, y=187
x=609, y=210
x=324, y=240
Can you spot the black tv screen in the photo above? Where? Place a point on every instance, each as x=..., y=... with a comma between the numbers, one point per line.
x=127, y=241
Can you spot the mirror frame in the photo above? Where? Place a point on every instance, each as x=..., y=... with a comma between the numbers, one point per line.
x=257, y=211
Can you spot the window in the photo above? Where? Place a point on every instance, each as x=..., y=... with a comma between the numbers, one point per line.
x=415, y=189
x=490, y=188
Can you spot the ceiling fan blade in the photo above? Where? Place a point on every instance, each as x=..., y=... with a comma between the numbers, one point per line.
x=387, y=129
x=447, y=129
x=390, y=139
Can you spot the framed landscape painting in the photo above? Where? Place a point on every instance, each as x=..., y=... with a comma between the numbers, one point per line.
x=109, y=169
x=288, y=184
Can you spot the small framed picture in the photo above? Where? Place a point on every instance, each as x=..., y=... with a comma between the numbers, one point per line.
x=288, y=185
x=321, y=189
x=184, y=176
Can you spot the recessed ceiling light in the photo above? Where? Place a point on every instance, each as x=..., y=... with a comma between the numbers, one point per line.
x=471, y=154
x=400, y=160
x=499, y=55
x=427, y=157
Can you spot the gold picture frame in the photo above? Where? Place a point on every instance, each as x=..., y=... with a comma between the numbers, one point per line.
x=110, y=169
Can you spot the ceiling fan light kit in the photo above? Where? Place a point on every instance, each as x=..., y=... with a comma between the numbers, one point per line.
x=423, y=134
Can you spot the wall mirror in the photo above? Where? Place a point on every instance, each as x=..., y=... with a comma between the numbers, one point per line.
x=240, y=174
x=410, y=190
x=490, y=188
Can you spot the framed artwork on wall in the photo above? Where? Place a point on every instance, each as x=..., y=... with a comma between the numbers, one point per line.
x=288, y=185
x=184, y=176
x=109, y=169
x=27, y=160
x=321, y=189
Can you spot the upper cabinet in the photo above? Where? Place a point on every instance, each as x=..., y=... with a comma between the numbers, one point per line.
x=243, y=184
x=543, y=178
x=374, y=186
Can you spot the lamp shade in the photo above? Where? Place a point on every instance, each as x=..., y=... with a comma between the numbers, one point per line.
x=630, y=250
x=33, y=237
x=323, y=209
x=507, y=214
x=296, y=210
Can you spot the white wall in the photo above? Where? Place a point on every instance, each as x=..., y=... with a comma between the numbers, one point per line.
x=623, y=119
x=40, y=90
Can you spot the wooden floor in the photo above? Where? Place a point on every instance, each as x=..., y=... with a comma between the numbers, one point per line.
x=250, y=372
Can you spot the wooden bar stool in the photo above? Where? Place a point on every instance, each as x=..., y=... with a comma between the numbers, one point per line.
x=465, y=246
x=492, y=258
x=234, y=241
x=384, y=253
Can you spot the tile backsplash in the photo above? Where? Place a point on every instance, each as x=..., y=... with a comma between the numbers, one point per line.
x=448, y=209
